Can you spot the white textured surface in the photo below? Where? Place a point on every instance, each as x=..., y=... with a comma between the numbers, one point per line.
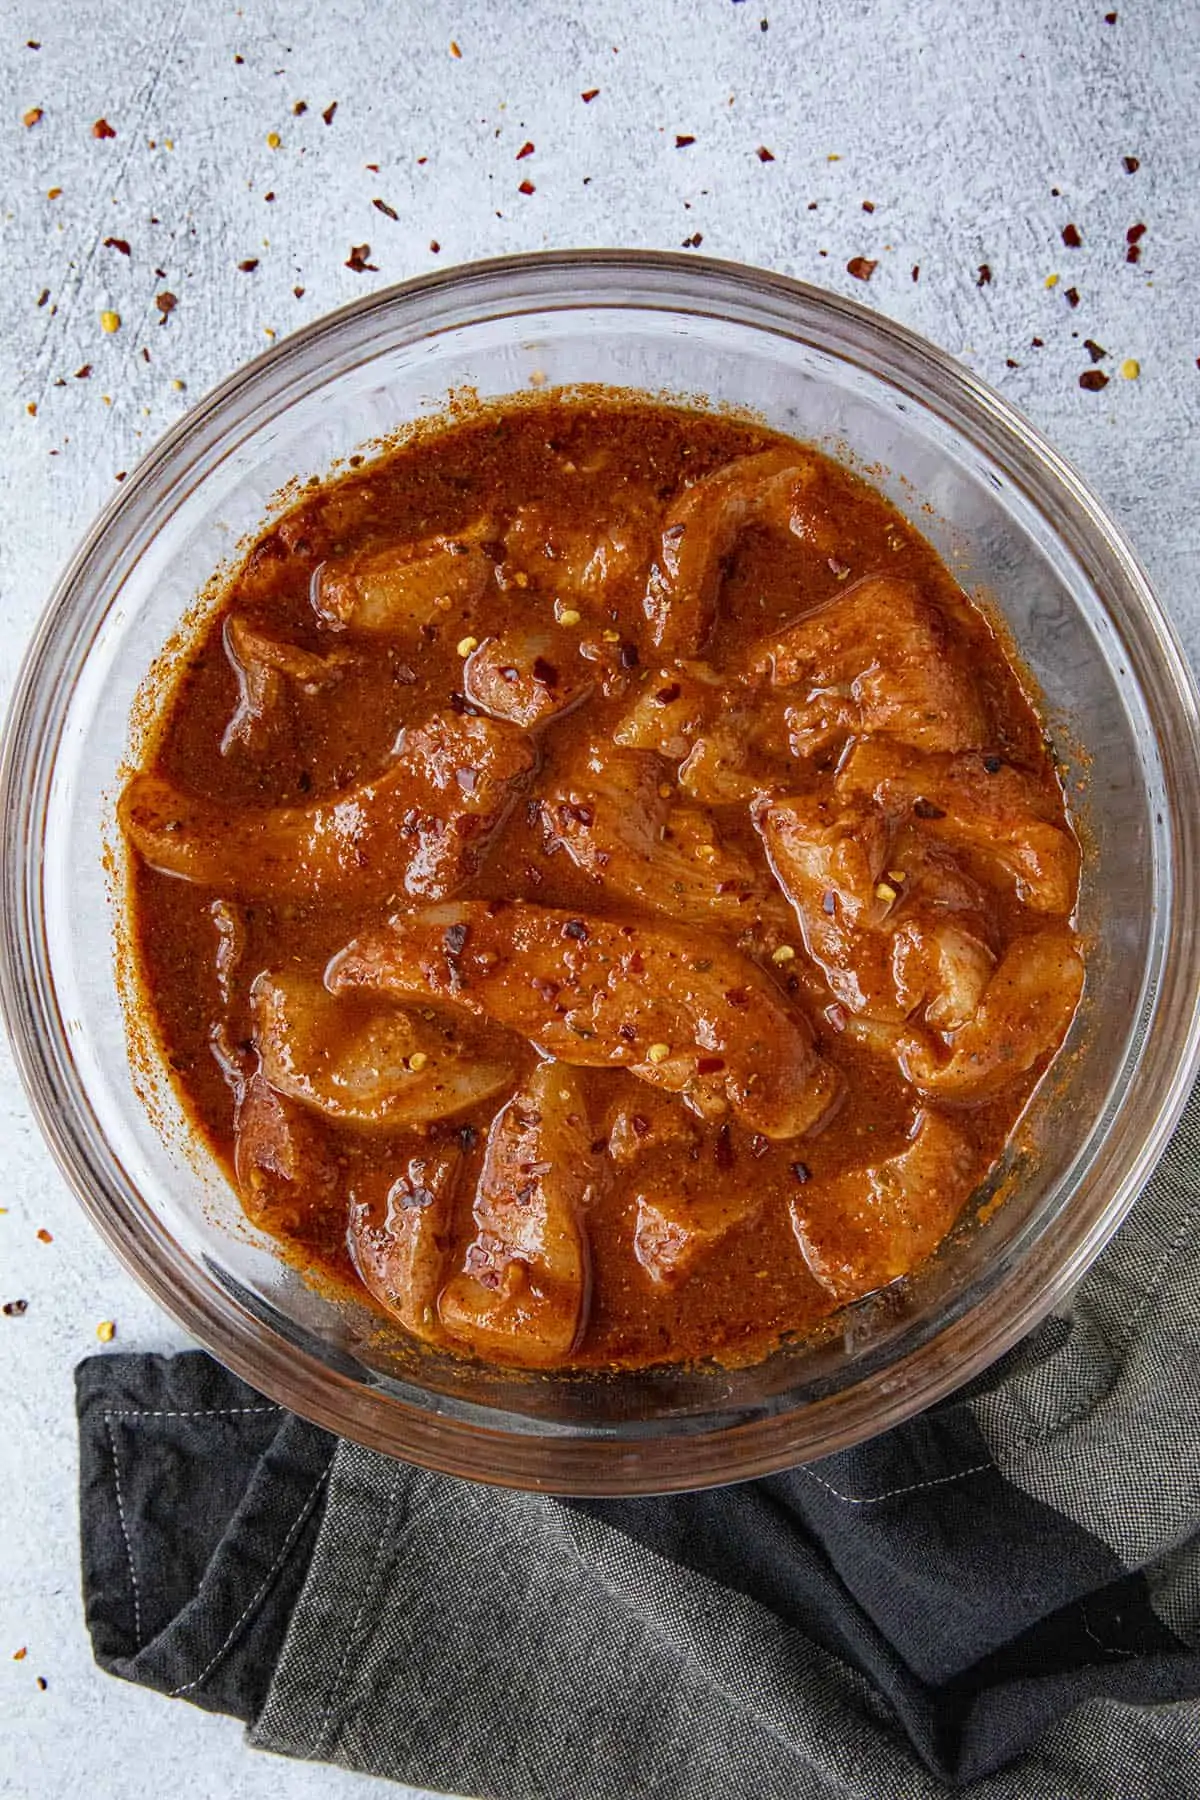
x=955, y=120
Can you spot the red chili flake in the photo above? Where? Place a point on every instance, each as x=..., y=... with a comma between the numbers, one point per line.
x=544, y=672
x=738, y=997
x=327, y=115
x=389, y=212
x=121, y=244
x=861, y=267
x=709, y=1065
x=1071, y=237
x=82, y=374
x=692, y=243
x=916, y=271
x=32, y=44
x=984, y=276
x=248, y=267
x=1135, y=234
x=868, y=206
x=589, y=95
x=299, y=293
x=575, y=928
x=1094, y=350
x=525, y=150
x=763, y=154
x=102, y=129
x=683, y=139
x=454, y=49
x=802, y=1172
x=166, y=303
x=30, y=118
x=1093, y=380
x=759, y=1145
x=1131, y=164
x=44, y=1237
x=434, y=245
x=723, y=1148
x=300, y=108
x=15, y=1309
x=120, y=475
x=1133, y=254
x=21, y=1654
x=526, y=187
x=43, y=296
x=43, y=1684
x=1072, y=296
x=357, y=259
x=1110, y=18
x=1010, y=364
x=812, y=206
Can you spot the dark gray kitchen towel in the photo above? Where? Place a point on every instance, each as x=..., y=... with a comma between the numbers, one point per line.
x=1001, y=1597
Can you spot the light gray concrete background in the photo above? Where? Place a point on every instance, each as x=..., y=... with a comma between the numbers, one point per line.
x=976, y=130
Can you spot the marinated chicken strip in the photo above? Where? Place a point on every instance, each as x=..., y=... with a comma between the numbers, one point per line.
x=679, y=1010
x=524, y=1291
x=682, y=1220
x=423, y=826
x=285, y=1171
x=264, y=666
x=869, y=1226
x=611, y=816
x=645, y=1123
x=978, y=803
x=401, y=1241
x=1024, y=1014
x=376, y=1067
x=687, y=714
x=527, y=677
x=586, y=564
x=877, y=658
x=397, y=589
x=700, y=534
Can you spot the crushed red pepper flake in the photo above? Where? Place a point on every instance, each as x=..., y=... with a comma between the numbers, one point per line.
x=861, y=267
x=29, y=119
x=249, y=265
x=763, y=154
x=299, y=292
x=454, y=49
x=327, y=115
x=1135, y=234
x=121, y=244
x=389, y=212
x=526, y=150
x=983, y=279
x=1133, y=254
x=102, y=129
x=166, y=303
x=1093, y=380
x=32, y=44
x=1094, y=350
x=1130, y=164
x=43, y=1684
x=44, y=1236
x=21, y=1654
x=1110, y=18
x=1035, y=344
x=1010, y=364
x=526, y=187
x=683, y=139
x=1071, y=237
x=1072, y=296
x=83, y=373
x=15, y=1309
x=868, y=206
x=434, y=245
x=588, y=95
x=916, y=271
x=694, y=242
x=299, y=108
x=357, y=259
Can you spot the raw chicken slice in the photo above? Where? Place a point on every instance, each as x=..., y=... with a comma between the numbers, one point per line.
x=649, y=1122
x=687, y=714
x=700, y=534
x=611, y=815
x=682, y=1220
x=286, y=1173
x=679, y=1010
x=1024, y=1014
x=586, y=564
x=376, y=1067
x=877, y=658
x=978, y=803
x=423, y=826
x=527, y=677
x=674, y=706
x=397, y=589
x=524, y=1290
x=866, y=1228
x=401, y=1240
x=263, y=666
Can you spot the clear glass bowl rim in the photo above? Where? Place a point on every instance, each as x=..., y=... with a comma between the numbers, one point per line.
x=511, y=287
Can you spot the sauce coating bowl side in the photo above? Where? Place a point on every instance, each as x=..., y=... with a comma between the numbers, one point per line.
x=1018, y=528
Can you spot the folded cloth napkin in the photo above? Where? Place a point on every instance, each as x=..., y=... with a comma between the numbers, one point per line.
x=1002, y=1595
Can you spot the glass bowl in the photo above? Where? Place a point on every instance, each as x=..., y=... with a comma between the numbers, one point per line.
x=1018, y=527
